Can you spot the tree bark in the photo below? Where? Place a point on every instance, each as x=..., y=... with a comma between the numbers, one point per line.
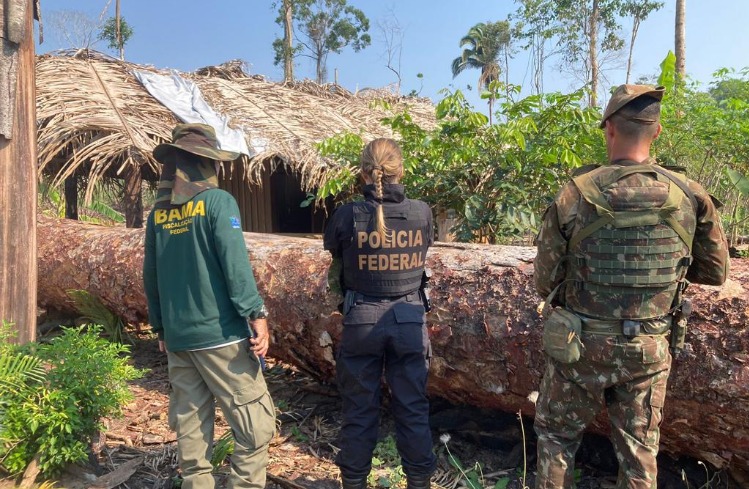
x=133, y=198
x=593, y=53
x=288, y=42
x=680, y=39
x=18, y=170
x=485, y=328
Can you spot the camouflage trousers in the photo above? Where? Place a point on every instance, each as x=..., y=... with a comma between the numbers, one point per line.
x=629, y=378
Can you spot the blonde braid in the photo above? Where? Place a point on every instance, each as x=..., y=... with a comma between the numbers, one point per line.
x=382, y=161
x=380, y=224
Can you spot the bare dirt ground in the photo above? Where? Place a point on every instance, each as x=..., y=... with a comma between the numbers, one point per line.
x=302, y=453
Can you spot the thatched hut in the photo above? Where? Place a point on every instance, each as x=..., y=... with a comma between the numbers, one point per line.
x=96, y=121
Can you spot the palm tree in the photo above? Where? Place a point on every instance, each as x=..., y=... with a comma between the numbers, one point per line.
x=482, y=47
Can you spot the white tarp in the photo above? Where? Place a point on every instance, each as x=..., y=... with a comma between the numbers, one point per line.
x=183, y=97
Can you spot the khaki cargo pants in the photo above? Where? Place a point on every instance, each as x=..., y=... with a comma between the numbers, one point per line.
x=229, y=376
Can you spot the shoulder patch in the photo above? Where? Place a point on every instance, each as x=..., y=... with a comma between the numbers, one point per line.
x=235, y=222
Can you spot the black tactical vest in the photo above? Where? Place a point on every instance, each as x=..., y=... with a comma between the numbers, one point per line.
x=630, y=256
x=392, y=268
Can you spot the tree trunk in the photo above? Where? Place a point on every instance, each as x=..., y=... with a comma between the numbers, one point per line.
x=133, y=198
x=485, y=328
x=288, y=43
x=18, y=170
x=680, y=39
x=593, y=52
x=635, y=28
x=71, y=197
x=118, y=30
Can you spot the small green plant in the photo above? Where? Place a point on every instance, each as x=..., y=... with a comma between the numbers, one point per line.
x=298, y=435
x=92, y=309
x=386, y=467
x=223, y=447
x=473, y=476
x=282, y=405
x=525, y=455
x=55, y=415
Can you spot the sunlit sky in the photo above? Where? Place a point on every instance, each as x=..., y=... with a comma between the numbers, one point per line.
x=189, y=34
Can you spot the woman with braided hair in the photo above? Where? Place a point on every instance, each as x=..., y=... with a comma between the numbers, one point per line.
x=379, y=247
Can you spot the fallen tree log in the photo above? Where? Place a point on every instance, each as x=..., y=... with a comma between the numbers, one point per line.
x=485, y=327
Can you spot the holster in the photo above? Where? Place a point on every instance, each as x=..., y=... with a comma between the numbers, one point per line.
x=679, y=327
x=425, y=289
x=349, y=300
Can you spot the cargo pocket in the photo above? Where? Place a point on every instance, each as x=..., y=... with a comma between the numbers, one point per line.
x=254, y=416
x=411, y=334
x=360, y=315
x=561, y=337
x=657, y=401
x=408, y=313
x=554, y=400
x=172, y=411
x=654, y=350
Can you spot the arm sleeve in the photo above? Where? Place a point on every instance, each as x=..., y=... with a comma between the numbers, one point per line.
x=551, y=248
x=231, y=252
x=430, y=225
x=333, y=236
x=150, y=280
x=710, y=260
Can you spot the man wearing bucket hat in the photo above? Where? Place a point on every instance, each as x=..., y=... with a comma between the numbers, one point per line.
x=201, y=296
x=616, y=249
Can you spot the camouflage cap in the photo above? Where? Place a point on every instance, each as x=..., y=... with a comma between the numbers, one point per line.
x=199, y=139
x=624, y=94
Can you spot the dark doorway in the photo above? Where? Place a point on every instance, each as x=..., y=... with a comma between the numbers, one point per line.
x=288, y=214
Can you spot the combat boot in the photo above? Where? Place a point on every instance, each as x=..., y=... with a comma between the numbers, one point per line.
x=418, y=481
x=353, y=483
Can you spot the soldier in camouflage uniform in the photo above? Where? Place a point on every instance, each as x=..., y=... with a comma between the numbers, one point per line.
x=616, y=250
x=201, y=295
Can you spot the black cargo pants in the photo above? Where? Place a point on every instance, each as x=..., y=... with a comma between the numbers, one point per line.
x=389, y=335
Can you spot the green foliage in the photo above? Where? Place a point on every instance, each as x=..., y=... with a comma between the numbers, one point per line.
x=386, y=467
x=52, y=203
x=109, y=33
x=325, y=26
x=497, y=178
x=485, y=42
x=344, y=150
x=741, y=182
x=707, y=132
x=298, y=435
x=92, y=309
x=55, y=417
x=223, y=447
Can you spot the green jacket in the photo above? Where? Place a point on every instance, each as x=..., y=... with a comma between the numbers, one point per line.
x=197, y=275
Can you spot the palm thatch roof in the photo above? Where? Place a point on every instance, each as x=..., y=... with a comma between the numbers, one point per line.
x=95, y=118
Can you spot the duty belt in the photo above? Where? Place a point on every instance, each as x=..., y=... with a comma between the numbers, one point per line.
x=412, y=297
x=626, y=327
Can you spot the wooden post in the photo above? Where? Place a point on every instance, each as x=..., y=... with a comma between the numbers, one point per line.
x=133, y=198
x=18, y=278
x=71, y=197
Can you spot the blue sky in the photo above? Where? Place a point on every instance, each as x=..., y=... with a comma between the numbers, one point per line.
x=189, y=34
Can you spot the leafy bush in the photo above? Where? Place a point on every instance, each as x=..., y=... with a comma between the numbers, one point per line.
x=55, y=414
x=496, y=178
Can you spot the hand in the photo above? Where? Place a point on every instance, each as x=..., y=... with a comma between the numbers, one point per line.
x=162, y=346
x=261, y=341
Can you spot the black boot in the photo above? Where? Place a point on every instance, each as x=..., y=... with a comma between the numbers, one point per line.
x=353, y=483
x=418, y=481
